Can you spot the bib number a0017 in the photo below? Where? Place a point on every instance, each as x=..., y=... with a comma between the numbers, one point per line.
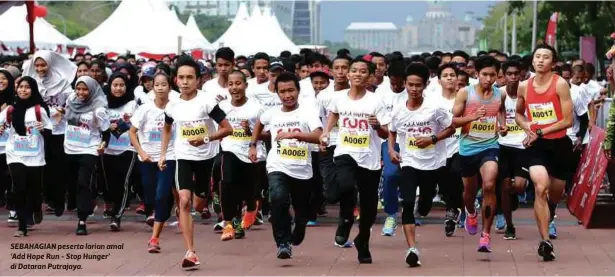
x=483, y=128
x=355, y=141
x=543, y=113
x=293, y=152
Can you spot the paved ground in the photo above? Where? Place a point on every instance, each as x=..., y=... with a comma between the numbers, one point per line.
x=579, y=251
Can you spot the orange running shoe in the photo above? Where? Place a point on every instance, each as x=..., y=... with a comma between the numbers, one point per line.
x=248, y=219
x=190, y=261
x=228, y=233
x=153, y=246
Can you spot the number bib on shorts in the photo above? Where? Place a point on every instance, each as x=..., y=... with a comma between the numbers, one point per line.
x=483, y=128
x=121, y=143
x=78, y=136
x=543, y=113
x=355, y=141
x=26, y=146
x=293, y=152
x=194, y=129
x=411, y=145
x=513, y=128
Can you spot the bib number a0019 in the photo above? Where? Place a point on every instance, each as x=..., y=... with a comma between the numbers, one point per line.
x=26, y=146
x=543, y=113
x=355, y=141
x=483, y=128
x=293, y=152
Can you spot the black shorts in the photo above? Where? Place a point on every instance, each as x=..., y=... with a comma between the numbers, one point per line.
x=470, y=165
x=553, y=154
x=194, y=176
x=237, y=172
x=512, y=163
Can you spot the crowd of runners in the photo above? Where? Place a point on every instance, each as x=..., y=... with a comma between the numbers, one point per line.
x=260, y=138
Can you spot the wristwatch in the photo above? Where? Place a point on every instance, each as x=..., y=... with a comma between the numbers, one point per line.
x=539, y=133
x=206, y=140
x=434, y=138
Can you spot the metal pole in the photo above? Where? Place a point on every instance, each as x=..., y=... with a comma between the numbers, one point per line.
x=514, y=34
x=534, y=23
x=506, y=33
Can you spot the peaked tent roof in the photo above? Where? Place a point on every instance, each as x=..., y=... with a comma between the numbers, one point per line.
x=15, y=30
x=236, y=27
x=194, y=31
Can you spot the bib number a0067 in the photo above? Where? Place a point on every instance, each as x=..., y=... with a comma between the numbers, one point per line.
x=355, y=141
x=483, y=128
x=543, y=113
x=293, y=152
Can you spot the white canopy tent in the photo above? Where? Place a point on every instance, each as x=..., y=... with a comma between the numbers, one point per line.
x=15, y=30
x=194, y=31
x=237, y=26
x=139, y=26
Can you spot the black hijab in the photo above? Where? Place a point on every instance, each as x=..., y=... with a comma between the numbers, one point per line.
x=22, y=105
x=116, y=102
x=132, y=72
x=7, y=95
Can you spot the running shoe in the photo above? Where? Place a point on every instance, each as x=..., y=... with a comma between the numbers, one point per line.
x=150, y=221
x=552, y=230
x=412, y=257
x=141, y=209
x=259, y=218
x=312, y=223
x=12, y=217
x=462, y=220
x=484, y=244
x=452, y=217
x=228, y=233
x=510, y=233
x=342, y=233
x=190, y=261
x=107, y=212
x=153, y=246
x=114, y=226
x=81, y=229
x=48, y=209
x=218, y=227
x=471, y=223
x=205, y=213
x=248, y=219
x=284, y=252
x=390, y=225
x=363, y=254
x=239, y=231
x=500, y=222
x=546, y=251
x=19, y=234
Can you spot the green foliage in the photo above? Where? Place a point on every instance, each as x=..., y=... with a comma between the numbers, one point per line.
x=212, y=27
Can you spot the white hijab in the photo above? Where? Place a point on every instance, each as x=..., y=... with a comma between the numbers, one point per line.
x=60, y=73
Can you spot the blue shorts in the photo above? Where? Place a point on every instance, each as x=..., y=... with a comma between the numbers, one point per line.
x=470, y=165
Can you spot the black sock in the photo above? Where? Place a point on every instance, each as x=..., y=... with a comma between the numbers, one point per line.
x=551, y=210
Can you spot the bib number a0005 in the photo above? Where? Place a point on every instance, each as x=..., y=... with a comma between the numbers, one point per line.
x=483, y=128
x=513, y=128
x=293, y=152
x=543, y=113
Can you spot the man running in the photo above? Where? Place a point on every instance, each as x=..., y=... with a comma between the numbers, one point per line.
x=545, y=98
x=479, y=110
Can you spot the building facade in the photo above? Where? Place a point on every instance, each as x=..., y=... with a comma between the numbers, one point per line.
x=372, y=36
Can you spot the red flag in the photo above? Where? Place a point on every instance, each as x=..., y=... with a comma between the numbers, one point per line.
x=550, y=37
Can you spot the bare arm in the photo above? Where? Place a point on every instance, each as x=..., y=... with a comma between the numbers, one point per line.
x=459, y=107
x=383, y=132
x=392, y=141
x=134, y=140
x=224, y=130
x=256, y=133
x=166, y=138
x=311, y=137
x=333, y=118
x=502, y=111
x=563, y=91
x=520, y=117
x=449, y=131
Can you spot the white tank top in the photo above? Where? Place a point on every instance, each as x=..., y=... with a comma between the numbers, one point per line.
x=515, y=135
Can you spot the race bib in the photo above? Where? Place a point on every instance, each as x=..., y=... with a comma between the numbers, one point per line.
x=356, y=141
x=411, y=145
x=239, y=134
x=154, y=135
x=483, y=128
x=26, y=146
x=513, y=128
x=293, y=152
x=78, y=135
x=121, y=143
x=190, y=130
x=543, y=113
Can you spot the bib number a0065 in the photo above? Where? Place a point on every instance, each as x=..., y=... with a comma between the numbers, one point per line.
x=483, y=128
x=543, y=113
x=293, y=152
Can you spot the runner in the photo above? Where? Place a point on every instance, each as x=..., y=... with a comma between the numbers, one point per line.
x=512, y=169
x=146, y=137
x=218, y=87
x=292, y=128
x=362, y=120
x=7, y=94
x=195, y=145
x=546, y=99
x=239, y=174
x=24, y=122
x=449, y=177
x=420, y=127
x=478, y=110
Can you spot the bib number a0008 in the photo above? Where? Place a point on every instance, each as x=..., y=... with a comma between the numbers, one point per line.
x=293, y=152
x=190, y=130
x=483, y=128
x=543, y=113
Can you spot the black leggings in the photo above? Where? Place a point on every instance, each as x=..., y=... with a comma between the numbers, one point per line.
x=55, y=171
x=27, y=186
x=412, y=178
x=118, y=170
x=350, y=179
x=81, y=173
x=239, y=180
x=450, y=183
x=317, y=198
x=5, y=184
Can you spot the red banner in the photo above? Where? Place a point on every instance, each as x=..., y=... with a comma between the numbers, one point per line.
x=588, y=178
x=587, y=50
x=550, y=37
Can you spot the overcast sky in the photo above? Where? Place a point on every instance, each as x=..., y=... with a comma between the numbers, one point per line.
x=337, y=15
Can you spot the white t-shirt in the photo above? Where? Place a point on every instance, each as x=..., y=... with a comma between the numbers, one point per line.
x=191, y=119
x=356, y=137
x=307, y=90
x=324, y=99
x=239, y=142
x=122, y=144
x=143, y=98
x=472, y=81
x=85, y=138
x=579, y=105
x=452, y=142
x=55, y=102
x=290, y=156
x=212, y=89
x=4, y=138
x=392, y=99
x=28, y=150
x=515, y=135
x=149, y=121
x=257, y=91
x=426, y=121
